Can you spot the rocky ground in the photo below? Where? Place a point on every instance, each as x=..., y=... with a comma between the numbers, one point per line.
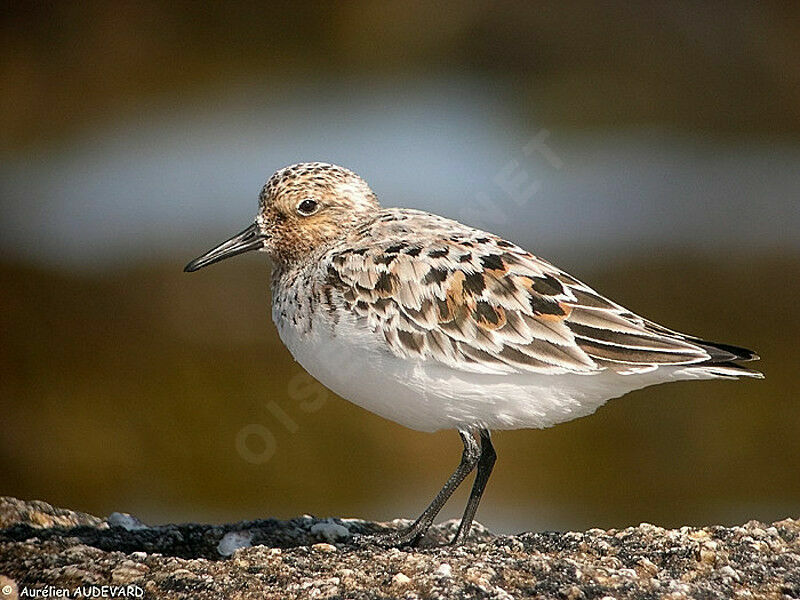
x=44, y=550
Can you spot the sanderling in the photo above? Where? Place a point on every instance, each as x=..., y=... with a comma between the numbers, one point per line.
x=436, y=325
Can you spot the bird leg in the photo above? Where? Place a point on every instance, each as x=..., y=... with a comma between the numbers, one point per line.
x=485, y=465
x=411, y=536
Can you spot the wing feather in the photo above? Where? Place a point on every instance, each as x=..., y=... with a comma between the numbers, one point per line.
x=475, y=302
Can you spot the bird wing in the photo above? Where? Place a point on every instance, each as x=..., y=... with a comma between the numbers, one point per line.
x=475, y=302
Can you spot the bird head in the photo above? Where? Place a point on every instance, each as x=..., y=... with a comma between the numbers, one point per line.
x=302, y=208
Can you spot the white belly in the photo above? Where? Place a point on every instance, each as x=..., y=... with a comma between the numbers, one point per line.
x=426, y=396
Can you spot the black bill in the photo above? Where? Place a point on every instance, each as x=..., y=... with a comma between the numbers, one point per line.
x=249, y=239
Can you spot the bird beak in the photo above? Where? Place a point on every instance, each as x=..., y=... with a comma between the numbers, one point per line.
x=249, y=239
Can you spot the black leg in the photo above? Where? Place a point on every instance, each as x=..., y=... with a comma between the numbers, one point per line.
x=485, y=465
x=412, y=535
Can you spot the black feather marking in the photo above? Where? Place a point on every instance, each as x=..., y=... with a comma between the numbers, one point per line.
x=725, y=352
x=542, y=306
x=484, y=312
x=474, y=283
x=385, y=259
x=384, y=283
x=394, y=249
x=438, y=253
x=548, y=285
x=493, y=261
x=436, y=275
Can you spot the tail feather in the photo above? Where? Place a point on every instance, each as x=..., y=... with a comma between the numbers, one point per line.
x=725, y=352
x=723, y=361
x=727, y=370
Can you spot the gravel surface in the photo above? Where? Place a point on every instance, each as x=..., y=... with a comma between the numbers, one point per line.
x=47, y=549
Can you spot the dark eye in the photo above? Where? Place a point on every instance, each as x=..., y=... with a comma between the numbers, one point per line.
x=307, y=207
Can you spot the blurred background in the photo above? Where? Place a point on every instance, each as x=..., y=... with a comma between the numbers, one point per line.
x=651, y=149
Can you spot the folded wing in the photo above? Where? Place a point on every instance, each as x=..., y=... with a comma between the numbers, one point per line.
x=478, y=303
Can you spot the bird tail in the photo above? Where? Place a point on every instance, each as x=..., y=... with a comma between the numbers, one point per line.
x=724, y=358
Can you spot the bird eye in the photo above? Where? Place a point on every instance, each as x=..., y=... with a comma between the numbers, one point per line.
x=307, y=207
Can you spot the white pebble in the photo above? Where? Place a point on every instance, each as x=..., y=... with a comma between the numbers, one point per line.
x=329, y=530
x=444, y=570
x=233, y=540
x=129, y=522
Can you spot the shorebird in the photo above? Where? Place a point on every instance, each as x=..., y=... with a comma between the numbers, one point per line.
x=436, y=325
